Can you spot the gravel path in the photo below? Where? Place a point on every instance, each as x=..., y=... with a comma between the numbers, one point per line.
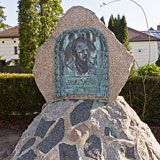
x=8, y=139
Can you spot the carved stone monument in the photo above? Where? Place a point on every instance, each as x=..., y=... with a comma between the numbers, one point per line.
x=62, y=71
x=80, y=71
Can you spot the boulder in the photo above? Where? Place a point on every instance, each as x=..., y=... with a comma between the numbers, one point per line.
x=47, y=63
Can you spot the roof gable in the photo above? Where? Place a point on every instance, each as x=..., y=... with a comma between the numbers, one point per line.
x=134, y=35
x=11, y=32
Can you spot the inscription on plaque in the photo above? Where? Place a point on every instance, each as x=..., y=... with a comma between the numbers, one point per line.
x=81, y=63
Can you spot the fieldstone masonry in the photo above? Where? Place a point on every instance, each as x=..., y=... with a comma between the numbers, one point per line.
x=107, y=131
x=82, y=120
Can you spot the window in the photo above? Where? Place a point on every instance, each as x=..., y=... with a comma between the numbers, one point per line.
x=15, y=62
x=15, y=50
x=140, y=50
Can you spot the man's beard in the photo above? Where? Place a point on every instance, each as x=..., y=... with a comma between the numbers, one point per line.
x=81, y=66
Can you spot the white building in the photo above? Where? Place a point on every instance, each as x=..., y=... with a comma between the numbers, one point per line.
x=139, y=45
x=143, y=52
x=155, y=33
x=9, y=41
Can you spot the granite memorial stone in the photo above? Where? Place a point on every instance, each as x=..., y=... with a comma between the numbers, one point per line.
x=80, y=71
x=81, y=60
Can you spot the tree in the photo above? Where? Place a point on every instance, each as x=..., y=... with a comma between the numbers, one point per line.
x=119, y=27
x=2, y=19
x=37, y=20
x=50, y=11
x=116, y=26
x=111, y=23
x=124, y=32
x=29, y=22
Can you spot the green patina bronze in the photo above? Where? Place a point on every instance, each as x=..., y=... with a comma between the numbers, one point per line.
x=81, y=63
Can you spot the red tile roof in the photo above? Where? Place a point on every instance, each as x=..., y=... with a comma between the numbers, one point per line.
x=11, y=32
x=134, y=35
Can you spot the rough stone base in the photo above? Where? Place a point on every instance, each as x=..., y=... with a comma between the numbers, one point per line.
x=87, y=130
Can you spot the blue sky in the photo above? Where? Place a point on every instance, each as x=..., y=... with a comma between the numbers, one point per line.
x=134, y=15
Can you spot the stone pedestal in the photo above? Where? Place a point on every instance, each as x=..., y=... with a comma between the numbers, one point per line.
x=87, y=130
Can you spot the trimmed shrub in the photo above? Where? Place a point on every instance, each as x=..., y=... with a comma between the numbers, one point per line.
x=134, y=94
x=19, y=97
x=150, y=70
x=21, y=100
x=158, y=61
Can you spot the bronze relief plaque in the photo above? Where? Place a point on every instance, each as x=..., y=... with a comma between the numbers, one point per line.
x=81, y=63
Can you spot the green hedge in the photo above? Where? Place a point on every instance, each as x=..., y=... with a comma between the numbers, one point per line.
x=20, y=97
x=149, y=70
x=134, y=93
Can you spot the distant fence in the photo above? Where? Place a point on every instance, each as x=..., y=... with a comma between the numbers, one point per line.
x=10, y=69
